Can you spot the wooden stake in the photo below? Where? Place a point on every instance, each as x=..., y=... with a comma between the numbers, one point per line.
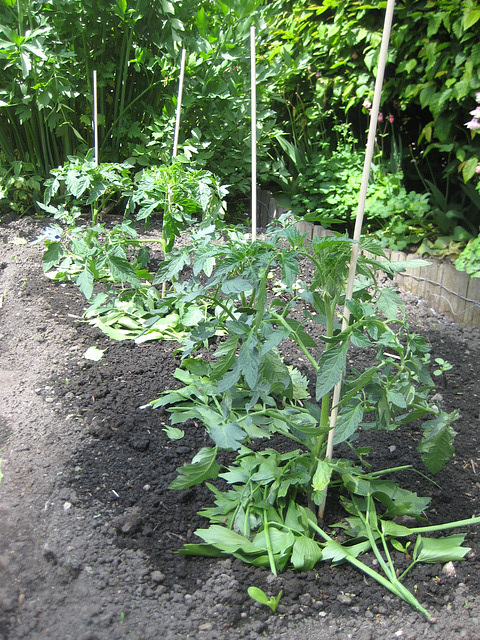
x=179, y=104
x=95, y=119
x=382, y=60
x=253, y=83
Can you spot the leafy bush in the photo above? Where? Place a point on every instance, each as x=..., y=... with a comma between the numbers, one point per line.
x=330, y=49
x=469, y=259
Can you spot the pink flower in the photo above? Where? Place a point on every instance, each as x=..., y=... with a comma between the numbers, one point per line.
x=380, y=117
x=367, y=104
x=474, y=124
x=391, y=119
x=477, y=168
x=475, y=113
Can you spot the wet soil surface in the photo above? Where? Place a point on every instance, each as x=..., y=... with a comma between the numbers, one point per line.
x=89, y=528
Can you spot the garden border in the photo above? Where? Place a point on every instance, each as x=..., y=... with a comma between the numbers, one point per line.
x=447, y=291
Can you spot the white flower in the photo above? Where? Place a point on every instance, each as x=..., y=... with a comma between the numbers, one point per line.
x=474, y=124
x=52, y=235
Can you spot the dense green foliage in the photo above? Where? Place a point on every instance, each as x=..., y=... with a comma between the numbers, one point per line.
x=315, y=72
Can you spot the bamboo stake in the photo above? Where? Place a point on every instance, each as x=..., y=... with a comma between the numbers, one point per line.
x=175, y=138
x=382, y=60
x=253, y=83
x=95, y=119
x=179, y=104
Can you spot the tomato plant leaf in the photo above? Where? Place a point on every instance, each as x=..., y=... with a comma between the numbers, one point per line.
x=331, y=366
x=204, y=466
x=436, y=445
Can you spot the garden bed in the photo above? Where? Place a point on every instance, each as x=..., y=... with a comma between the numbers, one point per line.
x=89, y=528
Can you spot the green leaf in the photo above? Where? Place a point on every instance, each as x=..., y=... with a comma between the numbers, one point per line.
x=81, y=185
x=447, y=549
x=348, y=420
x=394, y=530
x=248, y=362
x=299, y=335
x=321, y=480
x=171, y=268
x=353, y=387
x=206, y=550
x=281, y=541
x=236, y=285
x=289, y=266
x=122, y=270
x=331, y=366
x=274, y=338
x=359, y=339
x=469, y=168
x=173, y=433
x=389, y=303
x=197, y=366
x=334, y=551
x=258, y=595
x=122, y=6
x=436, y=445
x=97, y=191
x=470, y=18
x=201, y=22
x=226, y=540
x=85, y=282
x=306, y=553
x=398, y=501
x=193, y=316
x=204, y=466
x=396, y=398
x=227, y=436
x=52, y=256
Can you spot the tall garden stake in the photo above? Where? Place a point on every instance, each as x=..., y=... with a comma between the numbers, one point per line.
x=179, y=104
x=253, y=82
x=175, y=140
x=95, y=118
x=382, y=60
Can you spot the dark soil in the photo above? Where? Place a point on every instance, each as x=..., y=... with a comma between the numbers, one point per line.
x=89, y=528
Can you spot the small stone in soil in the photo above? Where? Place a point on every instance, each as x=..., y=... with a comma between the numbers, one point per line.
x=157, y=576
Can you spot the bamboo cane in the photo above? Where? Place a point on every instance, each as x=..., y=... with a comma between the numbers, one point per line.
x=382, y=60
x=176, y=135
x=253, y=83
x=179, y=104
x=95, y=119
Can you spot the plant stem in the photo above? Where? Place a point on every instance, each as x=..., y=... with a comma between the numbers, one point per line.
x=447, y=525
x=281, y=320
x=394, y=587
x=268, y=542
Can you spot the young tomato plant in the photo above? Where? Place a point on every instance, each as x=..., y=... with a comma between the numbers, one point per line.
x=272, y=291
x=84, y=184
x=86, y=254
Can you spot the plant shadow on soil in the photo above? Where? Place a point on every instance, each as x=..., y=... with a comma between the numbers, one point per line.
x=115, y=526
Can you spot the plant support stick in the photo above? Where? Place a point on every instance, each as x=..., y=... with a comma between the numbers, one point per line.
x=361, y=209
x=254, y=131
x=95, y=119
x=168, y=202
x=179, y=104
